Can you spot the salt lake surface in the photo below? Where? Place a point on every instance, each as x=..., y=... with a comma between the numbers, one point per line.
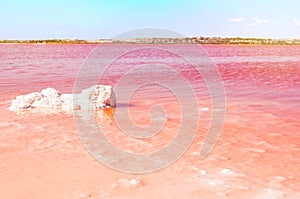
x=257, y=155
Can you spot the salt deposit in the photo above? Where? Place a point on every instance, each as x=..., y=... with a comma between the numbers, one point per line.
x=93, y=98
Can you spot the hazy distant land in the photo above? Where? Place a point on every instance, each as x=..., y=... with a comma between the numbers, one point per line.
x=187, y=40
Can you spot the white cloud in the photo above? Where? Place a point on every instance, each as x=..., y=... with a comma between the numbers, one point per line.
x=236, y=19
x=296, y=21
x=258, y=22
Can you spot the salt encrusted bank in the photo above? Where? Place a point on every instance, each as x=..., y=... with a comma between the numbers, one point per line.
x=93, y=98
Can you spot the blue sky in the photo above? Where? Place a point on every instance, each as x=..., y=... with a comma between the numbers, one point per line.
x=91, y=19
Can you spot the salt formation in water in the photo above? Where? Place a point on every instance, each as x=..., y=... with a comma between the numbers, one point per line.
x=93, y=98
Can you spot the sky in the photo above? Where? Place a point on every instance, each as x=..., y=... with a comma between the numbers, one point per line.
x=95, y=19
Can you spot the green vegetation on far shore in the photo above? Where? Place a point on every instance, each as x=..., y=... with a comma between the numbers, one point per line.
x=187, y=40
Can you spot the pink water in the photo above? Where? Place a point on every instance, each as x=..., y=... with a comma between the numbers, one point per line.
x=257, y=156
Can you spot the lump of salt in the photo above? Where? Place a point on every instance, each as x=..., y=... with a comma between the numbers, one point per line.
x=93, y=98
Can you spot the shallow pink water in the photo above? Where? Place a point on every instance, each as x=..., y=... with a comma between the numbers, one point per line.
x=257, y=156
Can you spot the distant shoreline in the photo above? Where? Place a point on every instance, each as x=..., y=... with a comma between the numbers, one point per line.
x=187, y=40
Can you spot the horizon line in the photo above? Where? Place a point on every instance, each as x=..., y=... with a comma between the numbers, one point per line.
x=89, y=39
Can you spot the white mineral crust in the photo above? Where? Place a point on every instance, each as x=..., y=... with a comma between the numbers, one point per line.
x=93, y=98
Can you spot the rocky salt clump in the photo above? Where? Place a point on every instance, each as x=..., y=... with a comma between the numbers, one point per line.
x=93, y=98
x=96, y=97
